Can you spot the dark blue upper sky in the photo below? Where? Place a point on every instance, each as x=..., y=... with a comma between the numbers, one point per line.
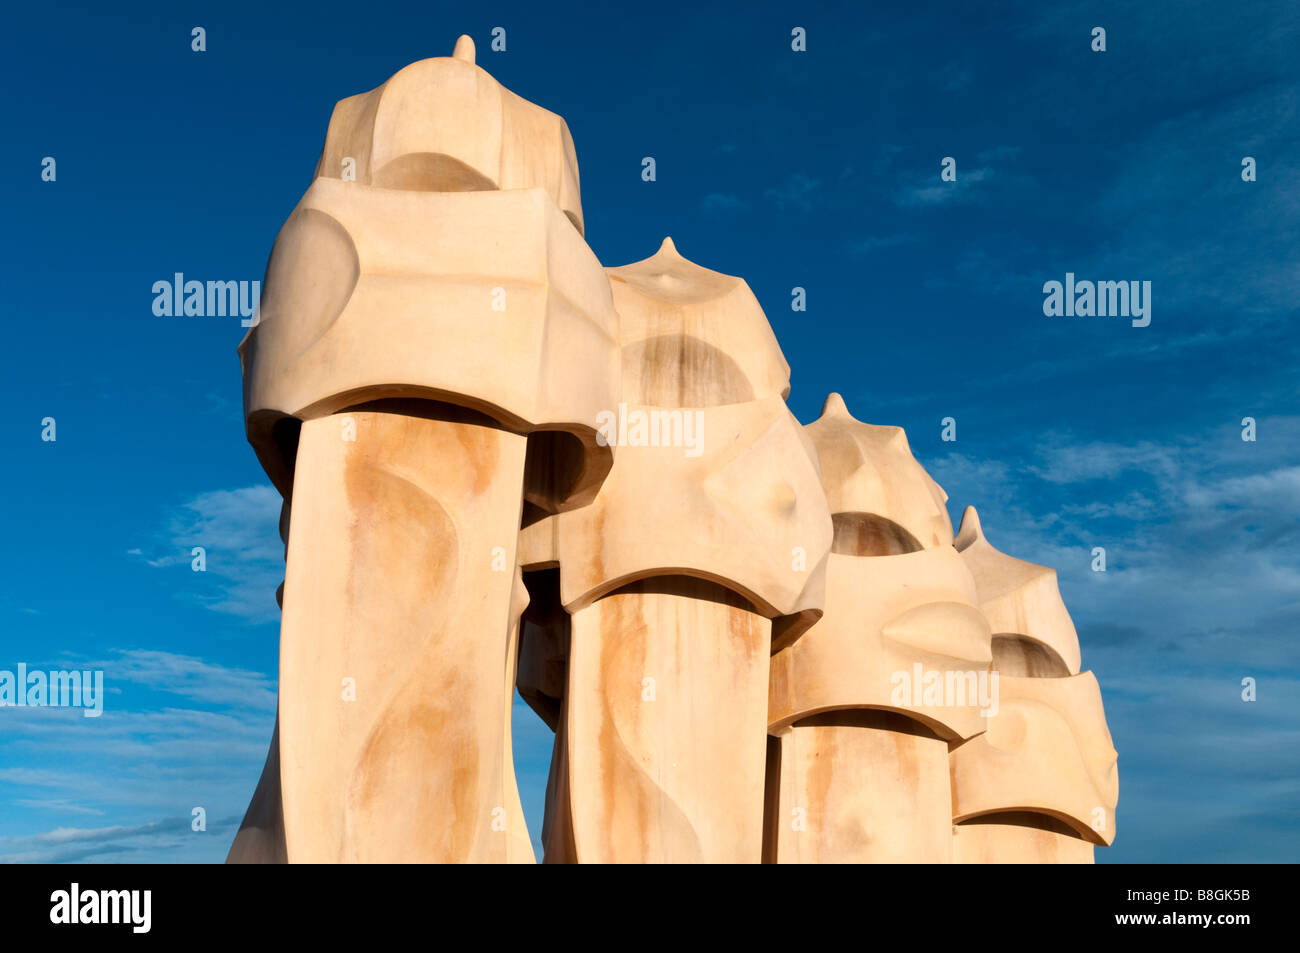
x=818, y=169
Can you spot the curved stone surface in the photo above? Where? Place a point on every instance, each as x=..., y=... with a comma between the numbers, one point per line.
x=445, y=125
x=507, y=466
x=485, y=300
x=1047, y=751
x=1020, y=598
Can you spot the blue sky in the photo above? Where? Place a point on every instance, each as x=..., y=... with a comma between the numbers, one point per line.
x=817, y=169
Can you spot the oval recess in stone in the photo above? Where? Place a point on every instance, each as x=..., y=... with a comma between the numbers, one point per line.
x=309, y=279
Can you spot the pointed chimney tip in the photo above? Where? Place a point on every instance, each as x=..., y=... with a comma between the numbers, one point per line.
x=464, y=50
x=970, y=531
x=835, y=405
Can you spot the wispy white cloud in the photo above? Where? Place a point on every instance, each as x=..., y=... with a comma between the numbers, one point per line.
x=191, y=677
x=244, y=557
x=137, y=760
x=945, y=193
x=1202, y=533
x=722, y=202
x=872, y=243
x=61, y=805
x=799, y=191
x=1202, y=589
x=172, y=837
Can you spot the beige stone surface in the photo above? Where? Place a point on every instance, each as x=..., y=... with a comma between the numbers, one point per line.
x=1019, y=838
x=704, y=440
x=1041, y=785
x=394, y=590
x=884, y=616
x=884, y=501
x=435, y=276
x=709, y=534
x=506, y=466
x=693, y=337
x=1047, y=751
x=738, y=514
x=658, y=771
x=488, y=300
x=1020, y=599
x=260, y=839
x=859, y=786
x=445, y=125
x=864, y=704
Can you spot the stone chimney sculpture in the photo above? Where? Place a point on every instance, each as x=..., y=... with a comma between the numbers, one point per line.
x=420, y=326
x=1041, y=784
x=865, y=705
x=505, y=466
x=678, y=578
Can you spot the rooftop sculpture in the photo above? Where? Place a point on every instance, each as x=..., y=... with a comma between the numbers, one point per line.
x=506, y=466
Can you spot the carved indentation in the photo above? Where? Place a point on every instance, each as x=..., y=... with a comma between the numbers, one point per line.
x=677, y=370
x=431, y=172
x=867, y=534
x=1026, y=657
x=554, y=466
x=310, y=277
